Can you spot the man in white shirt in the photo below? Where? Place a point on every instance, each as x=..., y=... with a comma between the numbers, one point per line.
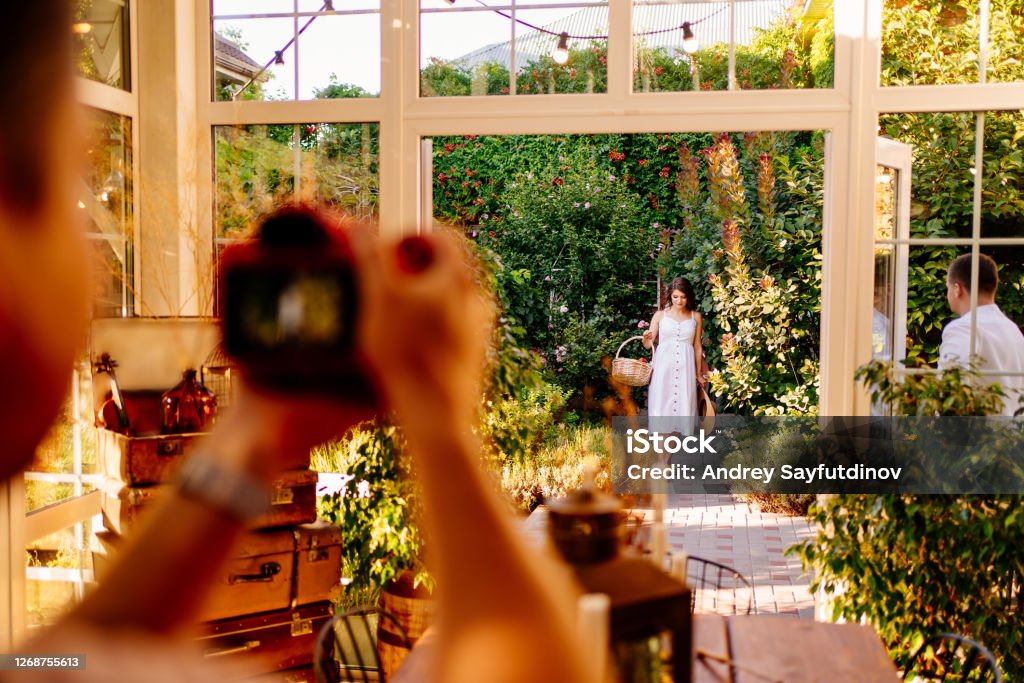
x=999, y=343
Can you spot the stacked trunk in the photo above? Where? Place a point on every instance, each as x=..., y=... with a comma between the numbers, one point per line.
x=274, y=591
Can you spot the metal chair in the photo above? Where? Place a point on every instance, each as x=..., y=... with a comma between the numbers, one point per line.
x=952, y=657
x=346, y=647
x=718, y=588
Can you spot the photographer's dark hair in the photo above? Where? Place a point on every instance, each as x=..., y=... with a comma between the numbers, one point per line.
x=988, y=273
x=684, y=286
x=36, y=53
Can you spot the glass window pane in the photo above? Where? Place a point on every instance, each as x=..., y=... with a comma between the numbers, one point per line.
x=67, y=452
x=57, y=568
x=246, y=62
x=335, y=52
x=883, y=312
x=106, y=198
x=1006, y=42
x=930, y=42
x=585, y=68
x=1002, y=196
x=237, y=7
x=297, y=55
x=464, y=53
x=1010, y=292
x=111, y=288
x=776, y=46
x=262, y=167
x=102, y=46
x=927, y=308
x=942, y=185
x=346, y=6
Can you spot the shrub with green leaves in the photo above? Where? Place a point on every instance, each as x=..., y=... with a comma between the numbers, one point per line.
x=375, y=508
x=913, y=565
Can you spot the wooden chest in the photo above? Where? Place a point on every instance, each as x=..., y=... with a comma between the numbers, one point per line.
x=138, y=460
x=293, y=501
x=271, y=641
x=270, y=570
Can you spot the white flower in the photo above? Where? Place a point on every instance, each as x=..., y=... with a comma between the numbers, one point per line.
x=331, y=483
x=363, y=489
x=563, y=309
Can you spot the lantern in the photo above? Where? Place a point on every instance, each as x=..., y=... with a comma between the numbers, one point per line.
x=651, y=624
x=217, y=377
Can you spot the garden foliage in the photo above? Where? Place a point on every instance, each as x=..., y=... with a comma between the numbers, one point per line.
x=914, y=565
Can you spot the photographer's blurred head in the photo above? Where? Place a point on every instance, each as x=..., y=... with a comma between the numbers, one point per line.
x=43, y=292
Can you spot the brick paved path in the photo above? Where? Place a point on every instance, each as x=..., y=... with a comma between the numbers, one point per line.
x=718, y=527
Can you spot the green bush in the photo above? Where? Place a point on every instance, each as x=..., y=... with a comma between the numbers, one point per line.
x=573, y=246
x=913, y=565
x=375, y=508
x=558, y=467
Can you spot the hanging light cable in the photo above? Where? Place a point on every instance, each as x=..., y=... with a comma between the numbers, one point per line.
x=561, y=53
x=690, y=44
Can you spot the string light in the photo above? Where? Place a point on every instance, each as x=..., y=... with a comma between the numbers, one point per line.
x=561, y=53
x=690, y=44
x=81, y=27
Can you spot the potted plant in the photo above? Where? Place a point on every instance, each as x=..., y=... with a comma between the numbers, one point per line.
x=374, y=502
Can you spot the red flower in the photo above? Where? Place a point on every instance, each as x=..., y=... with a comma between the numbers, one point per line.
x=558, y=181
x=642, y=162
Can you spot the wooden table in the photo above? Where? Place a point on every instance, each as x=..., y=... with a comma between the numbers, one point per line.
x=761, y=648
x=766, y=648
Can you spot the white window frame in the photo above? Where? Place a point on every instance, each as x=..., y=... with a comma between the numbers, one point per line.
x=849, y=111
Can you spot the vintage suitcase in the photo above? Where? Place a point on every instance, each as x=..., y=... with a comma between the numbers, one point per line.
x=278, y=569
x=270, y=641
x=146, y=456
x=293, y=501
x=270, y=570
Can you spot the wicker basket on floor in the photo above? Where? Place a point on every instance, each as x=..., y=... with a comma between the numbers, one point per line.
x=629, y=371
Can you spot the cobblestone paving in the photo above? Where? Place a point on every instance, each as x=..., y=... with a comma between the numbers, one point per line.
x=718, y=527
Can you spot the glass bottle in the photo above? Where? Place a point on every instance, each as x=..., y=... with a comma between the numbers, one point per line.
x=188, y=407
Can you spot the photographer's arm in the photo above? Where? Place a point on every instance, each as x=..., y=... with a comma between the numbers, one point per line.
x=508, y=611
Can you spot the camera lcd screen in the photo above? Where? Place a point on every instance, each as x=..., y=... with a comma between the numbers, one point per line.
x=275, y=310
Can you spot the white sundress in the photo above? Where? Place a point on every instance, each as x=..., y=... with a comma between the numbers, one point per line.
x=672, y=396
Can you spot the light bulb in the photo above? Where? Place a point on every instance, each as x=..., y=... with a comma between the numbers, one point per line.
x=81, y=27
x=690, y=44
x=561, y=53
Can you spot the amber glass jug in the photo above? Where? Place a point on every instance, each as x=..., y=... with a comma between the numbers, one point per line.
x=188, y=407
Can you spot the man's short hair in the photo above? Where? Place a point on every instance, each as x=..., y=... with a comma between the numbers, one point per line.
x=36, y=54
x=988, y=273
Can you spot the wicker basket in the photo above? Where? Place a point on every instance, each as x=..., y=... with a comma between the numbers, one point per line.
x=628, y=371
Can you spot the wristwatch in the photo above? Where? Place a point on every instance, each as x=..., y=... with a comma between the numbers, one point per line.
x=236, y=493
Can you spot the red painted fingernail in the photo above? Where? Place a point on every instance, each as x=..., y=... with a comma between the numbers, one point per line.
x=415, y=254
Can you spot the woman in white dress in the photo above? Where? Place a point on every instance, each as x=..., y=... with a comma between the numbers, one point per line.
x=678, y=359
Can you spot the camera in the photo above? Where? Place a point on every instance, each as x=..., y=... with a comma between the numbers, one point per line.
x=289, y=301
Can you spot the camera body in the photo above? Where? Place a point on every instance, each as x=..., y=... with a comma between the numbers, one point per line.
x=290, y=307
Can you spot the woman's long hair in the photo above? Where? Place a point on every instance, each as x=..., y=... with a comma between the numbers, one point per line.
x=684, y=286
